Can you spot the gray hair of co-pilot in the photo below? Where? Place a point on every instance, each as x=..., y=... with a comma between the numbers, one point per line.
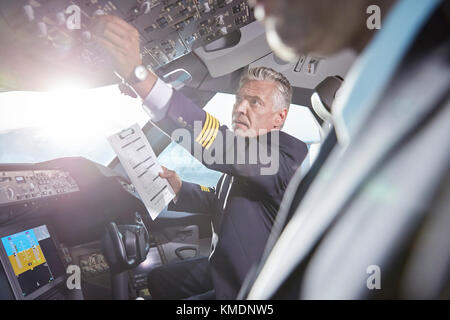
x=283, y=94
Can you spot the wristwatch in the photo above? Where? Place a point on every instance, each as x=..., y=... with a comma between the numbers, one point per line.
x=139, y=74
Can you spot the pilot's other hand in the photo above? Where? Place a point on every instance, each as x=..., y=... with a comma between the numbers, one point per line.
x=173, y=178
x=121, y=40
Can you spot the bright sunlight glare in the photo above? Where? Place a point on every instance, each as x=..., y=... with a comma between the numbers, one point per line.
x=70, y=117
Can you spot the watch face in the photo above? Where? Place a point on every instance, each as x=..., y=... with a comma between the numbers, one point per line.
x=141, y=73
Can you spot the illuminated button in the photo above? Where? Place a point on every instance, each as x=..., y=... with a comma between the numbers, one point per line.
x=181, y=121
x=29, y=12
x=42, y=27
x=60, y=17
x=86, y=35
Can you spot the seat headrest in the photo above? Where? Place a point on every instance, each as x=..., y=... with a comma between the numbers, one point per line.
x=324, y=95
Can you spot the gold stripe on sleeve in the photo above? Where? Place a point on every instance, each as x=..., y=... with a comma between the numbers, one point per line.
x=207, y=123
x=207, y=131
x=211, y=131
x=213, y=137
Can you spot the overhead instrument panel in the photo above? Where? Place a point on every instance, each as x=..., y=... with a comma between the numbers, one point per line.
x=16, y=186
x=169, y=29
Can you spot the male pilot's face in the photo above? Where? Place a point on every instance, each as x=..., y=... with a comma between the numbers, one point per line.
x=253, y=112
x=320, y=27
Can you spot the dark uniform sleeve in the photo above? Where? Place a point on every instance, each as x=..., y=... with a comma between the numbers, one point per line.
x=207, y=139
x=194, y=198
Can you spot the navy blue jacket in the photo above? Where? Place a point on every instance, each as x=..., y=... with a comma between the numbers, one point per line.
x=244, y=204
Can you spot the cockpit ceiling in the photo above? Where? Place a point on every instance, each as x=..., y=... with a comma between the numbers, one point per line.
x=41, y=44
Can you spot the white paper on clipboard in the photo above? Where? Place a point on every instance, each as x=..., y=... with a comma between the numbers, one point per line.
x=140, y=162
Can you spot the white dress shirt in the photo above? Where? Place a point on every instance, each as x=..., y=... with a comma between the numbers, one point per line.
x=157, y=101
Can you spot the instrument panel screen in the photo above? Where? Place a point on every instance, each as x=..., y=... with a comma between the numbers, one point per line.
x=33, y=257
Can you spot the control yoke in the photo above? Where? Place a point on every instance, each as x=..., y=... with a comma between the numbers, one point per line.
x=125, y=247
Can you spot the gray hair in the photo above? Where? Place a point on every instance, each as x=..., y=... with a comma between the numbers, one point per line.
x=283, y=95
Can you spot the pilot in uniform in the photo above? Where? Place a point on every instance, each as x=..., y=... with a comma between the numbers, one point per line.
x=243, y=206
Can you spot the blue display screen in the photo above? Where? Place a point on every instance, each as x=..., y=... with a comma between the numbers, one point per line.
x=33, y=257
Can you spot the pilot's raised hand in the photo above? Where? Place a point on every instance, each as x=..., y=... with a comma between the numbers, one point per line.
x=121, y=41
x=173, y=179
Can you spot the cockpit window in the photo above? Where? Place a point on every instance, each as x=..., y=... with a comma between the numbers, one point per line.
x=39, y=126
